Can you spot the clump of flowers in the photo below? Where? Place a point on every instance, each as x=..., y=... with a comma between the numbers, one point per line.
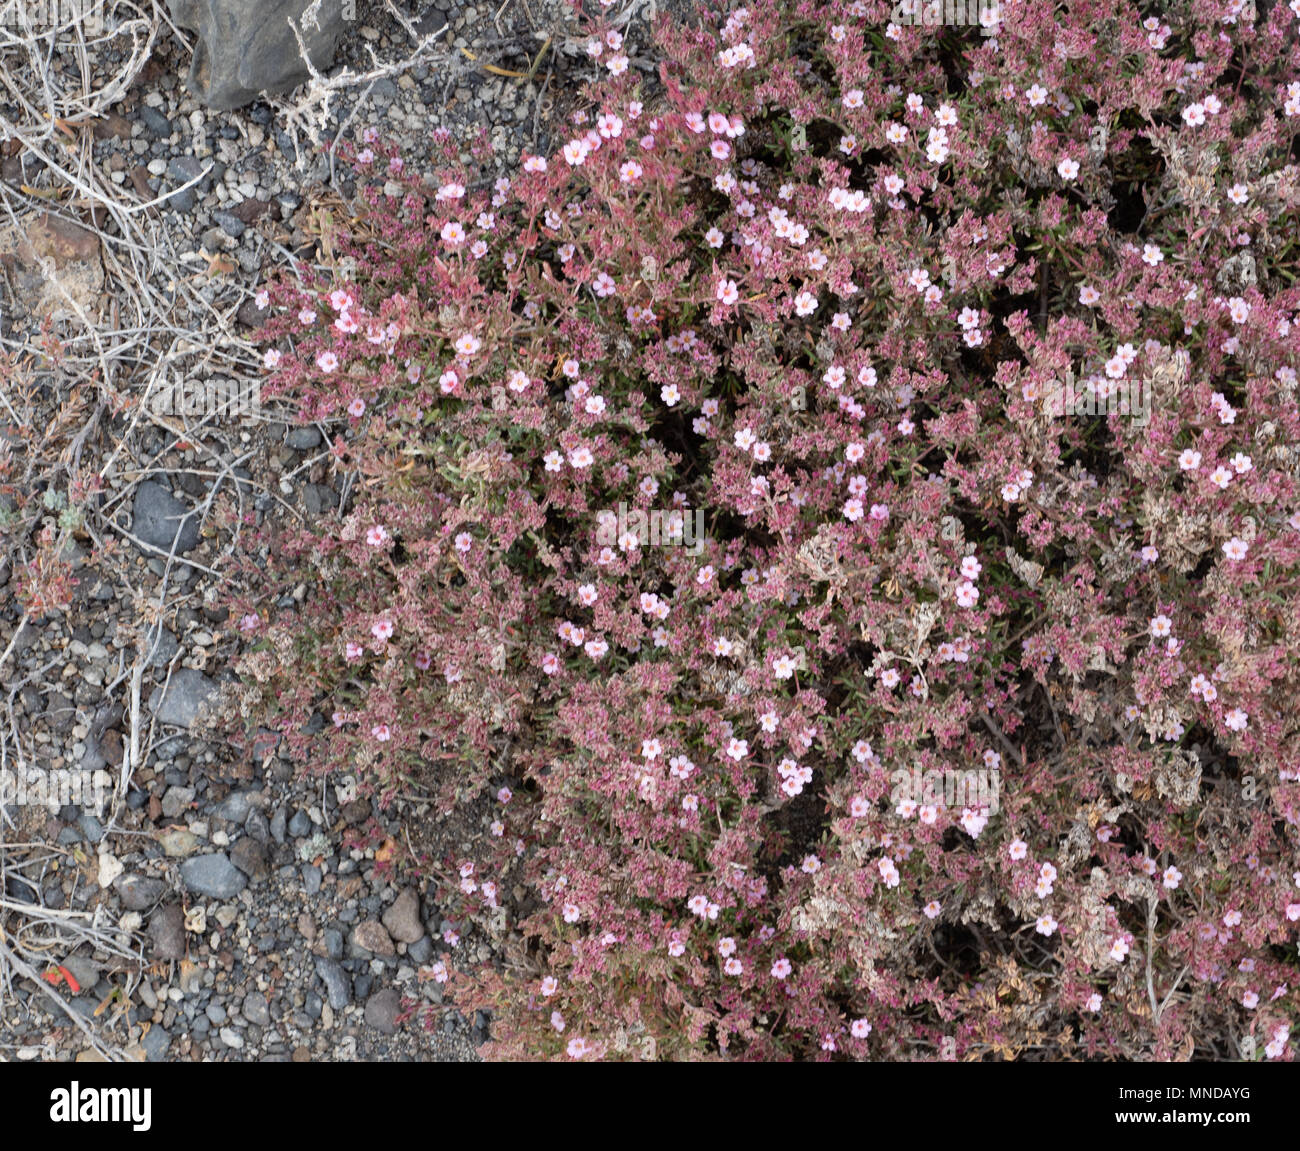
x=818, y=281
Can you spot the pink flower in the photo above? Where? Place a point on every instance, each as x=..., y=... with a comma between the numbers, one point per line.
x=888, y=872
x=781, y=968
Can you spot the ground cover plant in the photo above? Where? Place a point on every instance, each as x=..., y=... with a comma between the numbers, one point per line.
x=948, y=710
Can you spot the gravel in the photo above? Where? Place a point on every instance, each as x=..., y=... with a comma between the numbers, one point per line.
x=209, y=832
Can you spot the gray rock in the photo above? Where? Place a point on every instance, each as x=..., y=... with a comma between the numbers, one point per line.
x=183, y=202
x=159, y=519
x=250, y=857
x=91, y=828
x=229, y=223
x=93, y=758
x=311, y=879
x=155, y=1044
x=216, y=1013
x=155, y=122
x=85, y=972
x=300, y=824
x=403, y=919
x=256, y=826
x=256, y=1009
x=183, y=169
x=28, y=634
x=236, y=806
x=382, y=1009
x=246, y=46
x=168, y=646
x=138, y=893
x=278, y=827
x=167, y=931
x=333, y=940
x=421, y=951
x=212, y=875
x=337, y=985
x=176, y=800
x=21, y=889
x=60, y=711
x=187, y=692
x=302, y=439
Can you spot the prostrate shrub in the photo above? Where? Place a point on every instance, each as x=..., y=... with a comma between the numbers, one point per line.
x=845, y=289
